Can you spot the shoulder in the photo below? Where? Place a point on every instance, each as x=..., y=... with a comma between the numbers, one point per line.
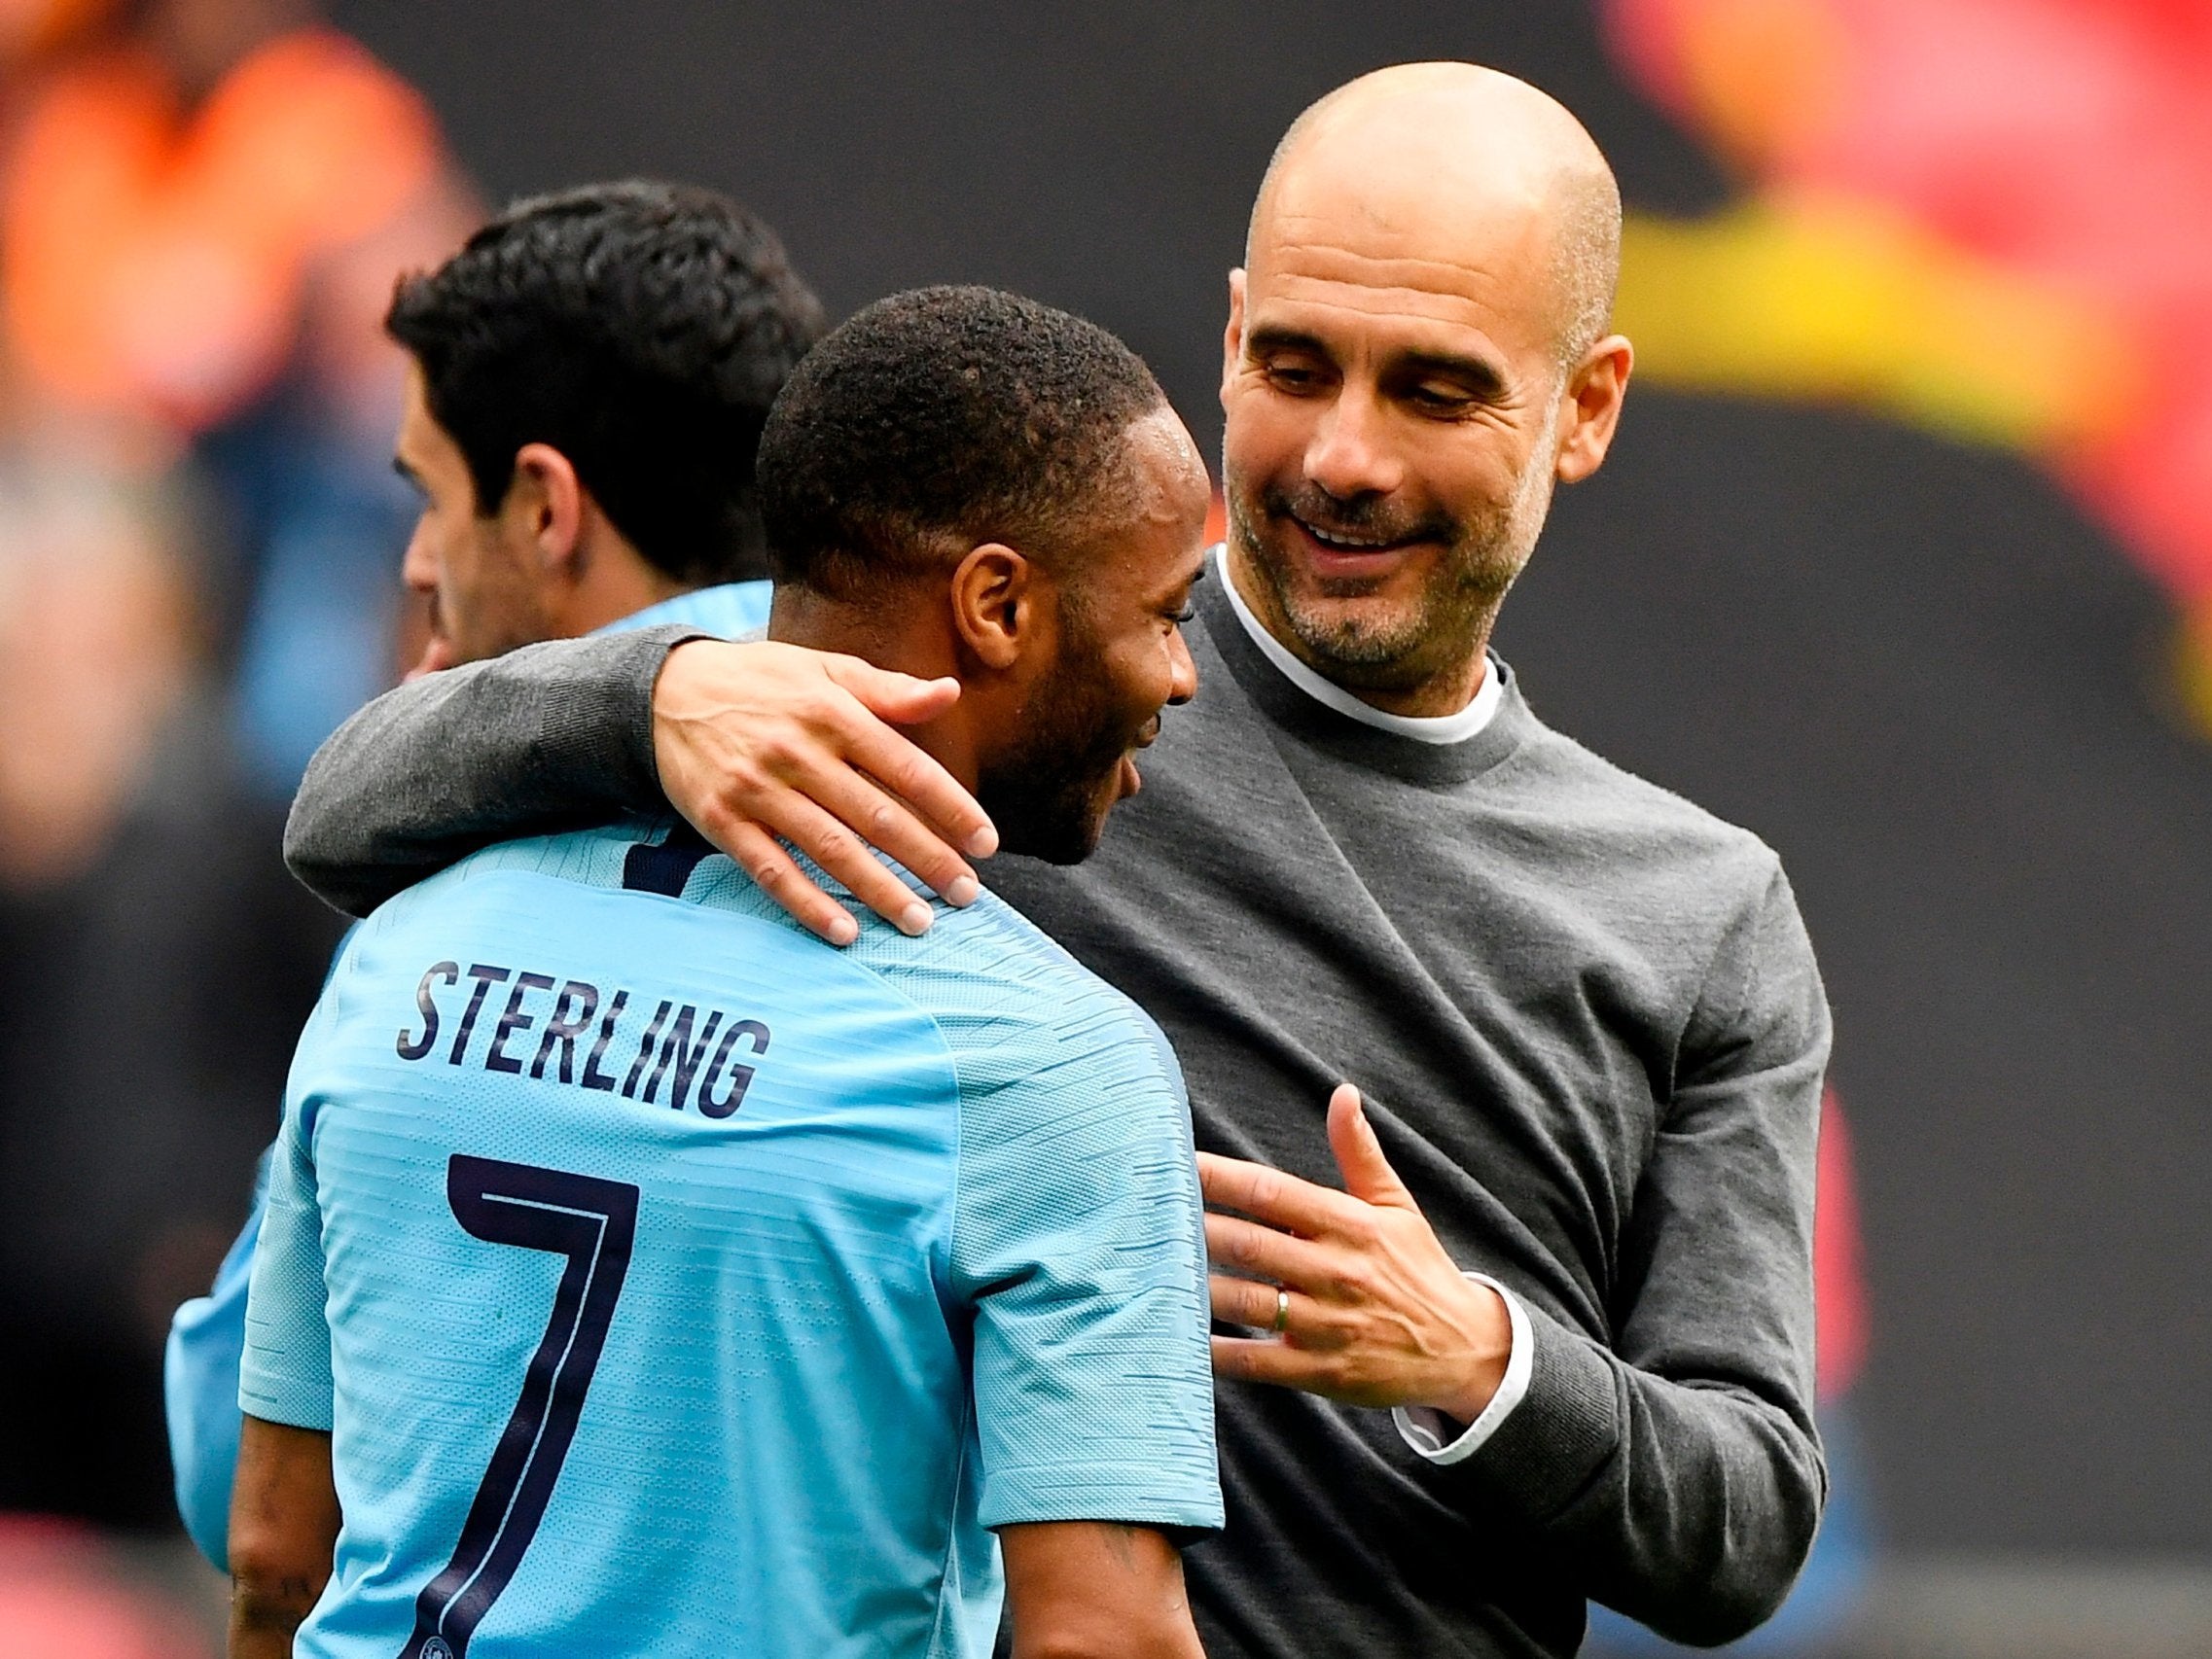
x=992, y=964
x=525, y=886
x=1018, y=1012
x=1586, y=806
x=585, y=858
x=1074, y=1126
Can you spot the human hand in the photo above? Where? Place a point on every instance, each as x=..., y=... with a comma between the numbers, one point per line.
x=760, y=740
x=1377, y=1315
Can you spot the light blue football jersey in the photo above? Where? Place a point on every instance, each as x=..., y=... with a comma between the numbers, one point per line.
x=672, y=1282
x=199, y=1373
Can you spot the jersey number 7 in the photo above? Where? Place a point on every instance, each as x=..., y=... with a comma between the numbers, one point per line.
x=593, y=1223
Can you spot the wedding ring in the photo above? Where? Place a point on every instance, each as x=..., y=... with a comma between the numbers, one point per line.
x=1282, y=1310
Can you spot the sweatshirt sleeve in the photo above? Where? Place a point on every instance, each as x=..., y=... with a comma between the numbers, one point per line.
x=1680, y=1466
x=545, y=738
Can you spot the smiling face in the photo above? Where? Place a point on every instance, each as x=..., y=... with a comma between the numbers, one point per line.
x=1117, y=656
x=1397, y=399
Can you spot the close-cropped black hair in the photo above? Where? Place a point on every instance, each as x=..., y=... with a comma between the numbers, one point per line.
x=937, y=420
x=642, y=329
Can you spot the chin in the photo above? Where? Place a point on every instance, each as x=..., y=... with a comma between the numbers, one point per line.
x=1356, y=636
x=1067, y=843
x=1064, y=827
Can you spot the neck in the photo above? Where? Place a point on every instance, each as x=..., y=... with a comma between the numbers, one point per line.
x=887, y=637
x=1444, y=692
x=612, y=581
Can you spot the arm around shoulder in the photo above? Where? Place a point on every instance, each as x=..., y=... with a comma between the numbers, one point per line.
x=546, y=737
x=757, y=744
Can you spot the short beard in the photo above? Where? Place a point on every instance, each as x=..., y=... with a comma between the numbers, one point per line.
x=1044, y=796
x=1444, y=629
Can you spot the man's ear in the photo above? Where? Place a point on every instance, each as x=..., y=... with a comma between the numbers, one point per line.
x=545, y=507
x=1233, y=337
x=1594, y=395
x=1000, y=607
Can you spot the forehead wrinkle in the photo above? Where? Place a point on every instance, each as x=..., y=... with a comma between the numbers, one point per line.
x=1478, y=304
x=1313, y=247
x=1422, y=324
x=1467, y=284
x=1392, y=269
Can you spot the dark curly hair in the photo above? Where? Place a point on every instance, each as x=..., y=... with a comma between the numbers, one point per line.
x=938, y=420
x=640, y=328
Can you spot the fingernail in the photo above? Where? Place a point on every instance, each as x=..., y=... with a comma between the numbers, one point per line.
x=962, y=890
x=983, y=843
x=843, y=930
x=914, y=920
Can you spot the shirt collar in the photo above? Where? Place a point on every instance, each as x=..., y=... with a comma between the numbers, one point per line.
x=1423, y=728
x=728, y=610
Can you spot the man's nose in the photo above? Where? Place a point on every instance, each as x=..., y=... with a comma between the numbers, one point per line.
x=418, y=566
x=1183, y=673
x=1350, y=454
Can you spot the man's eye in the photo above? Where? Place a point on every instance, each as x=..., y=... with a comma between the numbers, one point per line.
x=1293, y=377
x=1185, y=616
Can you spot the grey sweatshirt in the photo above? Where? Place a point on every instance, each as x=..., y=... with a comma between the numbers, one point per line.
x=1590, y=1032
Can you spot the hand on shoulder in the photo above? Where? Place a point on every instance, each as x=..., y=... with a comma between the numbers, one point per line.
x=757, y=741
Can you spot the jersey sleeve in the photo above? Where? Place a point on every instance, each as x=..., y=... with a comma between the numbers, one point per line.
x=1077, y=1243
x=200, y=1389
x=284, y=1375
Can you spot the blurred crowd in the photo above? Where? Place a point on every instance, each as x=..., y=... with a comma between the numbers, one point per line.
x=203, y=204
x=1989, y=218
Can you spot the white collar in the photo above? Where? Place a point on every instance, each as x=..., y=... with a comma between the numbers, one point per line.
x=1423, y=728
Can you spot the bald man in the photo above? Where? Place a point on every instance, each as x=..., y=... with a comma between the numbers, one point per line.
x=1526, y=1319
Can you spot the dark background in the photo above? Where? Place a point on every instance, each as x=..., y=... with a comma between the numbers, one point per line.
x=1912, y=668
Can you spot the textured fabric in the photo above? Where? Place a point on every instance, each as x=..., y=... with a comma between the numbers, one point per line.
x=200, y=1371
x=1592, y=1034
x=1440, y=1440
x=848, y=1255
x=562, y=740
x=199, y=1391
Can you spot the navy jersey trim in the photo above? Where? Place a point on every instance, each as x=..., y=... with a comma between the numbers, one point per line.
x=665, y=868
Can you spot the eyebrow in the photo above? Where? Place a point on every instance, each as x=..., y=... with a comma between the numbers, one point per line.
x=1481, y=376
x=1279, y=338
x=1484, y=377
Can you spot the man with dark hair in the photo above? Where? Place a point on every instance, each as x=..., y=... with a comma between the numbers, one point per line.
x=909, y=1246
x=1525, y=1321
x=580, y=348
x=869, y=469
x=602, y=362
